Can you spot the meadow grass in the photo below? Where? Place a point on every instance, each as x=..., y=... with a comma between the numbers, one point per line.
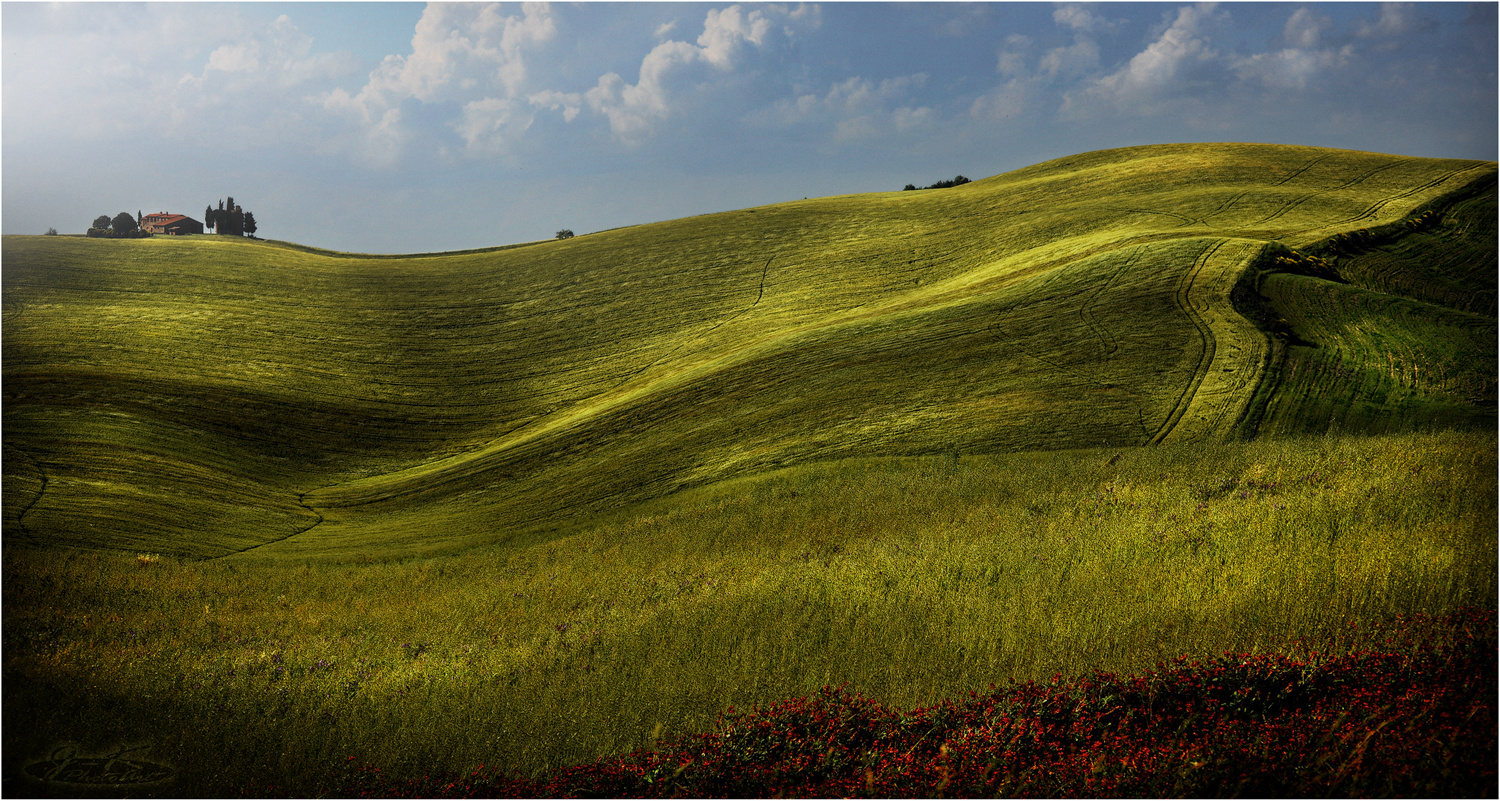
x=202, y=396
x=1412, y=715
x=909, y=580
x=269, y=508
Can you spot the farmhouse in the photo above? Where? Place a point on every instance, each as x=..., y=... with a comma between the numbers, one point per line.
x=171, y=224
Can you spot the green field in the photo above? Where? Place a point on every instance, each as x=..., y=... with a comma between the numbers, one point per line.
x=205, y=397
x=535, y=504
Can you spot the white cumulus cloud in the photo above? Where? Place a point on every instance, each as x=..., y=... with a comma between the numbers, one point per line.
x=468, y=53
x=1304, y=28
x=1077, y=17
x=634, y=109
x=1004, y=102
x=1159, y=71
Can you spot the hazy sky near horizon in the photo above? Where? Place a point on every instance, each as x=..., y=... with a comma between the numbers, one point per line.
x=397, y=127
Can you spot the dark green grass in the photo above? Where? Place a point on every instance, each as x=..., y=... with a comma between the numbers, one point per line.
x=1380, y=362
x=1394, y=329
x=1444, y=256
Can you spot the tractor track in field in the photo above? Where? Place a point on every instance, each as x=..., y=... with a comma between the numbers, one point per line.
x=1379, y=205
x=1186, y=220
x=1302, y=169
x=302, y=502
x=1220, y=209
x=1206, y=354
x=1221, y=383
x=1108, y=343
x=1345, y=185
x=1006, y=337
x=1373, y=210
x=42, y=490
x=759, y=295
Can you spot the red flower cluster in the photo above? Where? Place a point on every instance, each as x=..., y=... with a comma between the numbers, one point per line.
x=1413, y=718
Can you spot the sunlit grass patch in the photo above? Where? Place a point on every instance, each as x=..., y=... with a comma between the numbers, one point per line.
x=908, y=580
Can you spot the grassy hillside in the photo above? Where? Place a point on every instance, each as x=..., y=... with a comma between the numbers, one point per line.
x=531, y=506
x=207, y=397
x=910, y=579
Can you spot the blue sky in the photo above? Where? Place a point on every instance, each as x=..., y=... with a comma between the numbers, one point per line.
x=396, y=127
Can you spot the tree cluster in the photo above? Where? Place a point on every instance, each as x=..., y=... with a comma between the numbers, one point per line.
x=229, y=219
x=122, y=226
x=956, y=181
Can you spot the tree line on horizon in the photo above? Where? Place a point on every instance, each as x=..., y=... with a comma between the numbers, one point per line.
x=122, y=226
x=955, y=181
x=228, y=219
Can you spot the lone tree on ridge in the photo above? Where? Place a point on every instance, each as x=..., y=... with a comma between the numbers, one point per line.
x=124, y=223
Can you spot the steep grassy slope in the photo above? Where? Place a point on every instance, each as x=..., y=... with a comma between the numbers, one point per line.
x=1404, y=338
x=207, y=397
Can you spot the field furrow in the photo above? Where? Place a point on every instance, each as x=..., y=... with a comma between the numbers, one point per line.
x=1236, y=358
x=1184, y=300
x=1302, y=169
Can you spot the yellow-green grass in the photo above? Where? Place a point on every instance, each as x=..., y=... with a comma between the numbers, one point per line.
x=535, y=504
x=208, y=397
x=911, y=579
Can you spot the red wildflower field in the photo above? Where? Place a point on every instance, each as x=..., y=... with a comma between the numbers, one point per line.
x=1412, y=717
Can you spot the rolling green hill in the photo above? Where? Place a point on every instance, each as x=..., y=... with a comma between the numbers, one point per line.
x=531, y=506
x=209, y=397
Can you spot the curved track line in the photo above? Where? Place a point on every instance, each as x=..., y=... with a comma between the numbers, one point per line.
x=1206, y=354
x=1345, y=185
x=1302, y=169
x=1109, y=344
x=1004, y=336
x=1186, y=220
x=1234, y=356
x=1221, y=208
x=1374, y=209
x=1379, y=205
x=764, y=271
x=21, y=515
x=1367, y=173
x=1286, y=207
x=302, y=502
